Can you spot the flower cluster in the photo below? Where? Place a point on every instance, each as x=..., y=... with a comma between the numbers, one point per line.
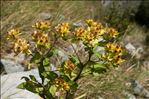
x=13, y=33
x=112, y=32
x=41, y=25
x=62, y=29
x=69, y=66
x=91, y=33
x=21, y=45
x=80, y=33
x=114, y=53
x=61, y=84
x=40, y=38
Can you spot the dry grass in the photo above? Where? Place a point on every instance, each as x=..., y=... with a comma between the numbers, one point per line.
x=22, y=14
x=112, y=84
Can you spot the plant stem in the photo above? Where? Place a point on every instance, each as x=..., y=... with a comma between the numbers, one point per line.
x=76, y=54
x=69, y=95
x=82, y=66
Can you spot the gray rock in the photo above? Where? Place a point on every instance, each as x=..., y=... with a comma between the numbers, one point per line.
x=19, y=58
x=11, y=66
x=62, y=55
x=130, y=47
x=9, y=83
x=120, y=6
x=139, y=90
x=129, y=95
x=44, y=16
x=79, y=23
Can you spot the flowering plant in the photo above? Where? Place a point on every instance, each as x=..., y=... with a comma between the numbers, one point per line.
x=64, y=80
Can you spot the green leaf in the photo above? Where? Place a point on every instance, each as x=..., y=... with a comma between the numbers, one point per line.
x=22, y=85
x=31, y=86
x=86, y=71
x=35, y=58
x=97, y=54
x=32, y=77
x=99, y=68
x=39, y=89
x=74, y=59
x=102, y=43
x=41, y=70
x=48, y=45
x=25, y=78
x=52, y=90
x=81, y=96
x=44, y=74
x=72, y=83
x=51, y=75
x=66, y=78
x=50, y=54
x=46, y=62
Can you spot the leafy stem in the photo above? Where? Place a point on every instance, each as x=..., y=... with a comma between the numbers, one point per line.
x=82, y=66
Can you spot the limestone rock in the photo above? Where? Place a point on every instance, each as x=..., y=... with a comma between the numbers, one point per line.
x=11, y=66
x=9, y=83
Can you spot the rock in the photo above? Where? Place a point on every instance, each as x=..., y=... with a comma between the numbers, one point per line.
x=130, y=48
x=19, y=58
x=11, y=66
x=146, y=64
x=79, y=23
x=2, y=70
x=9, y=83
x=137, y=52
x=129, y=95
x=44, y=16
x=120, y=6
x=139, y=90
x=62, y=55
x=12, y=63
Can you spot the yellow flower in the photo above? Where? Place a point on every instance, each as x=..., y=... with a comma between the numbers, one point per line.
x=21, y=45
x=61, y=84
x=89, y=37
x=94, y=42
x=90, y=22
x=111, y=47
x=118, y=59
x=36, y=35
x=79, y=32
x=43, y=39
x=90, y=34
x=115, y=48
x=112, y=32
x=66, y=86
x=97, y=30
x=107, y=57
x=118, y=50
x=13, y=33
x=41, y=25
x=69, y=66
x=63, y=29
x=115, y=53
x=40, y=38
